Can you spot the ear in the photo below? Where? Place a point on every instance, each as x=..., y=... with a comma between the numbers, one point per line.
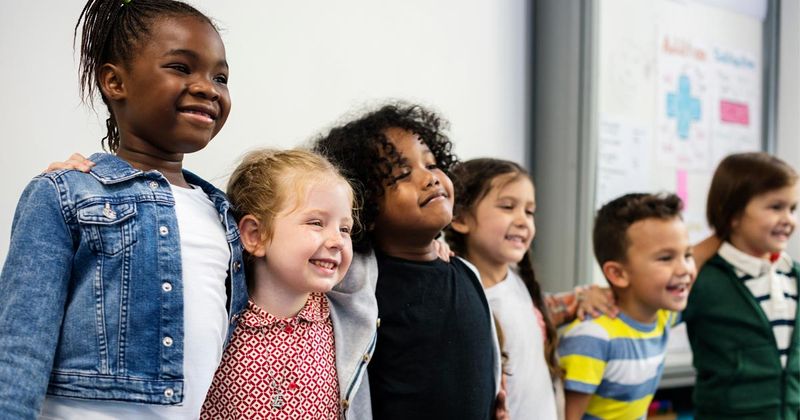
x=459, y=225
x=615, y=274
x=250, y=233
x=110, y=79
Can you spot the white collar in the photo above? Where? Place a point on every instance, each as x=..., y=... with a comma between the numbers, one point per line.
x=753, y=266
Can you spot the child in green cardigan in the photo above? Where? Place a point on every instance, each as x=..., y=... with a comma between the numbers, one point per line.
x=742, y=312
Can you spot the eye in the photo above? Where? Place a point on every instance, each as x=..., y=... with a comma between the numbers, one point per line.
x=402, y=176
x=432, y=166
x=530, y=212
x=314, y=222
x=183, y=68
x=221, y=79
x=665, y=258
x=345, y=229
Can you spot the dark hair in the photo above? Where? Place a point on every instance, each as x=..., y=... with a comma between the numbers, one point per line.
x=739, y=178
x=111, y=32
x=362, y=151
x=610, y=236
x=472, y=182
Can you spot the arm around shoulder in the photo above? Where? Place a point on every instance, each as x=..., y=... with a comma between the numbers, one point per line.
x=705, y=249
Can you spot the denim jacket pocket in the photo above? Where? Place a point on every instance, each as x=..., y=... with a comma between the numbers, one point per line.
x=108, y=226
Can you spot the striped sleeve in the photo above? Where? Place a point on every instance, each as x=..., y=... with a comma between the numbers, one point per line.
x=583, y=353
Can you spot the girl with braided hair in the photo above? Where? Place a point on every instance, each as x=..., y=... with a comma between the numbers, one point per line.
x=122, y=285
x=493, y=227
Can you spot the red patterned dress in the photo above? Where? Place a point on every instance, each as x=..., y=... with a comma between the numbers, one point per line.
x=278, y=368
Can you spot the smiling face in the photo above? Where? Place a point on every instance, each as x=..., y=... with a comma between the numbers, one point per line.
x=659, y=270
x=310, y=249
x=418, y=203
x=767, y=222
x=500, y=228
x=172, y=98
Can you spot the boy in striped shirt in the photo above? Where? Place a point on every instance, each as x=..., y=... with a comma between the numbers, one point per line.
x=612, y=366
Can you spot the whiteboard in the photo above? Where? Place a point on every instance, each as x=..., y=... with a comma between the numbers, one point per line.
x=679, y=87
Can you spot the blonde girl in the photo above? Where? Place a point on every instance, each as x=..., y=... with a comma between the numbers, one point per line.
x=301, y=349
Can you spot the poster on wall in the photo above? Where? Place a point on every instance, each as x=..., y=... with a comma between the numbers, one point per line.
x=679, y=88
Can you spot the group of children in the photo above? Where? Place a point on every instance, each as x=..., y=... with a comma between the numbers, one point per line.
x=318, y=286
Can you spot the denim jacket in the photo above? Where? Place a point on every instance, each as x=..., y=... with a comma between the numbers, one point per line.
x=92, y=286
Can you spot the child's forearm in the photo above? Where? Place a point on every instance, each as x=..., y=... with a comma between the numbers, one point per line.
x=561, y=307
x=576, y=405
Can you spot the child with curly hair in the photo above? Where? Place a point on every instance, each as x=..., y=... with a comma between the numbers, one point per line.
x=437, y=354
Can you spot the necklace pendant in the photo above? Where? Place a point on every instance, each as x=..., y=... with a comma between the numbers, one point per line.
x=277, y=400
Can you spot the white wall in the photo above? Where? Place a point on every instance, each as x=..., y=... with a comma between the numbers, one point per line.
x=788, y=124
x=296, y=67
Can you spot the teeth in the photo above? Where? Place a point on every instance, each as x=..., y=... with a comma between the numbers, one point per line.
x=324, y=264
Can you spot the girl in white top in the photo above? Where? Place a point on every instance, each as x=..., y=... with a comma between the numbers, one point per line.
x=493, y=226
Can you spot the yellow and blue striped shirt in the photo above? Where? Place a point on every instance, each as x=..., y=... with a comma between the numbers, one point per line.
x=619, y=361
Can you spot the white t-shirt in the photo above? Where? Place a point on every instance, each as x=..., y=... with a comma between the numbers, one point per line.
x=529, y=387
x=204, y=259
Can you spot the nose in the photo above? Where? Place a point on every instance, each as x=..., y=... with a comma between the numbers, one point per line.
x=686, y=266
x=204, y=88
x=431, y=180
x=790, y=217
x=335, y=239
x=521, y=217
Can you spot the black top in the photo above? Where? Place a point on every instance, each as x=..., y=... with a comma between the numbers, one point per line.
x=434, y=355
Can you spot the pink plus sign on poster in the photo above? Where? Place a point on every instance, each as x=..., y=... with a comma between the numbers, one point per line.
x=682, y=189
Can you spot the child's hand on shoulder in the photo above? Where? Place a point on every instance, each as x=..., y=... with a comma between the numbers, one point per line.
x=443, y=250
x=76, y=162
x=595, y=301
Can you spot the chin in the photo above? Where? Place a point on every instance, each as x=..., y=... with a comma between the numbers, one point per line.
x=676, y=306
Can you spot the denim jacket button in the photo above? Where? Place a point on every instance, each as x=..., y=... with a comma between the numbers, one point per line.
x=167, y=341
x=169, y=392
x=366, y=357
x=163, y=230
x=166, y=286
x=237, y=266
x=153, y=185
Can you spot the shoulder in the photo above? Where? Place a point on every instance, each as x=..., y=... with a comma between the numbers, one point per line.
x=710, y=277
x=598, y=328
x=465, y=268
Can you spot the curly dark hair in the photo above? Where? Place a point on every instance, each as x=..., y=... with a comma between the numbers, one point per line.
x=367, y=158
x=112, y=32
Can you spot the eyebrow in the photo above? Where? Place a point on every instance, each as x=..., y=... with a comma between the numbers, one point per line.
x=193, y=55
